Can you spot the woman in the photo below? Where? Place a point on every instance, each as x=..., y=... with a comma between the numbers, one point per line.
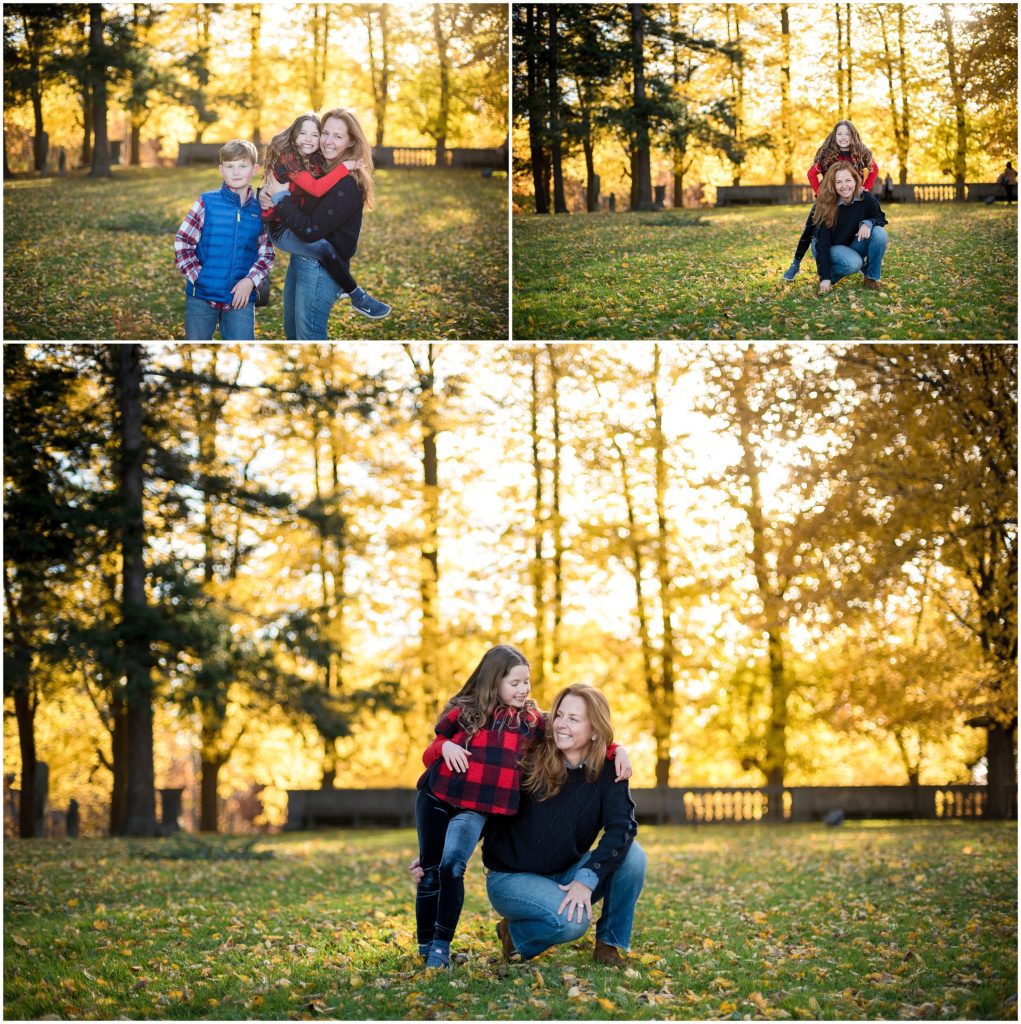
x=849, y=233
x=543, y=876
x=309, y=291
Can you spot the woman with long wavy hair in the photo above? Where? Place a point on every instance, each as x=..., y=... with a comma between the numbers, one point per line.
x=849, y=232
x=544, y=872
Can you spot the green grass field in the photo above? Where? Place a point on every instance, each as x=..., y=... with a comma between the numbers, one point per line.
x=950, y=272
x=871, y=920
x=94, y=259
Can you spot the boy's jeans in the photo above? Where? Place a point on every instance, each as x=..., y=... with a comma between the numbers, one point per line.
x=849, y=259
x=201, y=321
x=529, y=902
x=447, y=837
x=309, y=295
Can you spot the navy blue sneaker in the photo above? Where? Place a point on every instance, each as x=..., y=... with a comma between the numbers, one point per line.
x=438, y=958
x=368, y=306
x=792, y=271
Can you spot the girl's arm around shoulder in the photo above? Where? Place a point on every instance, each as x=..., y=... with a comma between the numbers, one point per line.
x=814, y=178
x=318, y=187
x=870, y=178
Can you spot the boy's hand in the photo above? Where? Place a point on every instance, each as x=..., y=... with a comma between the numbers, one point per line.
x=455, y=757
x=623, y=765
x=241, y=292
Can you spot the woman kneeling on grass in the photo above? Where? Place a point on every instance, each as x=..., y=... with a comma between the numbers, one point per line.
x=849, y=232
x=542, y=874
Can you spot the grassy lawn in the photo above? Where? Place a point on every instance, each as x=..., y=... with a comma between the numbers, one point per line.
x=950, y=272
x=871, y=920
x=90, y=259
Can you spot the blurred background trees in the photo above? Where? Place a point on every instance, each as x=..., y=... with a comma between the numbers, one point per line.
x=688, y=96
x=782, y=565
x=148, y=77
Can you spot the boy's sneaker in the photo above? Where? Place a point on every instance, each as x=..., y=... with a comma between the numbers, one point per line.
x=792, y=271
x=368, y=306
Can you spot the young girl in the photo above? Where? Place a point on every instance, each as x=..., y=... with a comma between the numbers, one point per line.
x=844, y=144
x=293, y=158
x=472, y=771
x=849, y=232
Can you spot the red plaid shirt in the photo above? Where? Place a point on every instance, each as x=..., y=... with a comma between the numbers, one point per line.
x=186, y=243
x=492, y=784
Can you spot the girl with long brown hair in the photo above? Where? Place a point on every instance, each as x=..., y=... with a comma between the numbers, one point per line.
x=849, y=232
x=842, y=145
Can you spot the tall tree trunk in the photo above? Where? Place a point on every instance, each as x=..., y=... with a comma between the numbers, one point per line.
x=379, y=67
x=97, y=67
x=538, y=532
x=1001, y=770
x=957, y=92
x=559, y=202
x=140, y=817
x=786, y=116
x=905, y=124
x=556, y=517
x=848, y=51
x=24, y=712
x=118, y=764
x=443, y=117
x=591, y=181
x=255, y=70
x=737, y=87
x=900, y=139
x=774, y=756
x=665, y=706
x=209, y=776
x=642, y=180
x=32, y=44
x=841, y=98
x=88, y=120
x=540, y=182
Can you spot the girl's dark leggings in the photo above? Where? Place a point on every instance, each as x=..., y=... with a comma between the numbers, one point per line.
x=447, y=837
x=332, y=262
x=805, y=241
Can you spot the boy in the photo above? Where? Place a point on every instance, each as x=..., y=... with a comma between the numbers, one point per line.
x=224, y=252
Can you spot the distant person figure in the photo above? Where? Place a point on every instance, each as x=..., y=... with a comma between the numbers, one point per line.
x=843, y=144
x=224, y=251
x=888, y=189
x=1008, y=179
x=849, y=232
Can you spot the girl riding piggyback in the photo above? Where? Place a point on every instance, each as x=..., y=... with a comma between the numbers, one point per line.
x=472, y=771
x=842, y=144
x=293, y=158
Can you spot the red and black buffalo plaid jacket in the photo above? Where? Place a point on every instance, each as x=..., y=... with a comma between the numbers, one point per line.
x=492, y=783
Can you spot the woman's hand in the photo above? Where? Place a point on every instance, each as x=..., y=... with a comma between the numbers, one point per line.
x=265, y=199
x=272, y=185
x=623, y=765
x=825, y=286
x=863, y=232
x=415, y=870
x=455, y=757
x=579, y=897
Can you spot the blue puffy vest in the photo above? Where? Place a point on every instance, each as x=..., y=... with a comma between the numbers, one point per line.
x=229, y=245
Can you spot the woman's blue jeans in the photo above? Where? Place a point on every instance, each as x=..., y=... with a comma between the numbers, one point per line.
x=849, y=259
x=530, y=902
x=309, y=295
x=447, y=837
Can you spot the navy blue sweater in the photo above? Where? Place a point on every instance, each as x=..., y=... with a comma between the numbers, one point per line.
x=845, y=227
x=337, y=217
x=546, y=837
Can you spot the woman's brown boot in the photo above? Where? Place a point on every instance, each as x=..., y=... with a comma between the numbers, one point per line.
x=503, y=934
x=608, y=956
